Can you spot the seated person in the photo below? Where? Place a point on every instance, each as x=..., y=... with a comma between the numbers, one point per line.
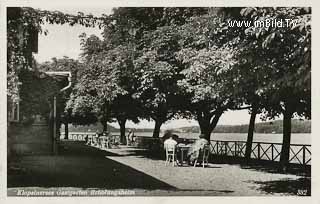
x=169, y=143
x=194, y=150
x=168, y=134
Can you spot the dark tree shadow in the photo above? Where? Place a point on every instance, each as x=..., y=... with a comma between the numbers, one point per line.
x=301, y=186
x=145, y=153
x=263, y=165
x=80, y=166
x=257, y=165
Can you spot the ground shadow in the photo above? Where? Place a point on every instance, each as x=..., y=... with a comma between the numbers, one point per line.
x=144, y=153
x=257, y=165
x=301, y=186
x=263, y=165
x=80, y=166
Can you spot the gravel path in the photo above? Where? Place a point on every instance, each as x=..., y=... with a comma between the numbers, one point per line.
x=216, y=179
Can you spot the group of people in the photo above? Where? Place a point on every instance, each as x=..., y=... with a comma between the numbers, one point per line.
x=172, y=140
x=103, y=140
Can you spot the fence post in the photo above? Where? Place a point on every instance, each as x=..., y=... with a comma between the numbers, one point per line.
x=272, y=152
x=304, y=155
x=259, y=150
x=217, y=147
x=235, y=149
x=225, y=148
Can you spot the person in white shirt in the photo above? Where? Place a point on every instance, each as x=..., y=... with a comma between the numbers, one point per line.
x=169, y=143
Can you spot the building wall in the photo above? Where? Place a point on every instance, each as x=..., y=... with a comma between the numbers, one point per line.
x=35, y=139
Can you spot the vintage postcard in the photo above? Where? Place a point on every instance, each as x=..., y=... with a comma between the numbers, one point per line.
x=116, y=100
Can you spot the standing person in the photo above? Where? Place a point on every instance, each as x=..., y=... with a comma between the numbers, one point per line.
x=129, y=137
x=133, y=137
x=194, y=150
x=103, y=140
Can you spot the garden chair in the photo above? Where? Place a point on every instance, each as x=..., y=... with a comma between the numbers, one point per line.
x=170, y=155
x=95, y=141
x=203, y=156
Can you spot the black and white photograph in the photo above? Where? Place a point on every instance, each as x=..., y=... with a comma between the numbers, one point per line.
x=122, y=101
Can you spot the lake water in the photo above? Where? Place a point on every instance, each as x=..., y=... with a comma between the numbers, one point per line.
x=296, y=138
x=301, y=138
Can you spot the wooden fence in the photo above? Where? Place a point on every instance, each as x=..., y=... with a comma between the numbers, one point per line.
x=299, y=153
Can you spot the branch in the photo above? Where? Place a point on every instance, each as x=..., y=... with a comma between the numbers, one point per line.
x=215, y=119
x=242, y=108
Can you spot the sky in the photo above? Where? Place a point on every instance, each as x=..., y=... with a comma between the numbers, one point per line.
x=63, y=40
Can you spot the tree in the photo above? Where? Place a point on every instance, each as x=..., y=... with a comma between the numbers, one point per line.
x=99, y=83
x=128, y=28
x=145, y=19
x=207, y=56
x=124, y=106
x=204, y=81
x=159, y=73
x=288, y=76
x=109, y=80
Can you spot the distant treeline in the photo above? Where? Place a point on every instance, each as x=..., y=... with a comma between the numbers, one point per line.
x=298, y=126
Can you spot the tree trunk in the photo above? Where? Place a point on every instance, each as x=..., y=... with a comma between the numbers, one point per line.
x=66, y=131
x=104, y=119
x=156, y=130
x=285, y=150
x=205, y=130
x=122, y=124
x=9, y=142
x=204, y=124
x=105, y=126
x=207, y=123
x=250, y=132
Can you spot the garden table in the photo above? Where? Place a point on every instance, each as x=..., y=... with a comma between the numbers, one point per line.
x=183, y=150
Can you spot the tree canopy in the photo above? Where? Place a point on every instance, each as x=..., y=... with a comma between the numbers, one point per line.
x=160, y=63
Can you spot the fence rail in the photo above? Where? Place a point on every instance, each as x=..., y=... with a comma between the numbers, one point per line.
x=299, y=153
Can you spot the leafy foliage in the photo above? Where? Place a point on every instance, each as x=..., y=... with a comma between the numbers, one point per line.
x=107, y=81
x=23, y=26
x=286, y=54
x=136, y=63
x=159, y=71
